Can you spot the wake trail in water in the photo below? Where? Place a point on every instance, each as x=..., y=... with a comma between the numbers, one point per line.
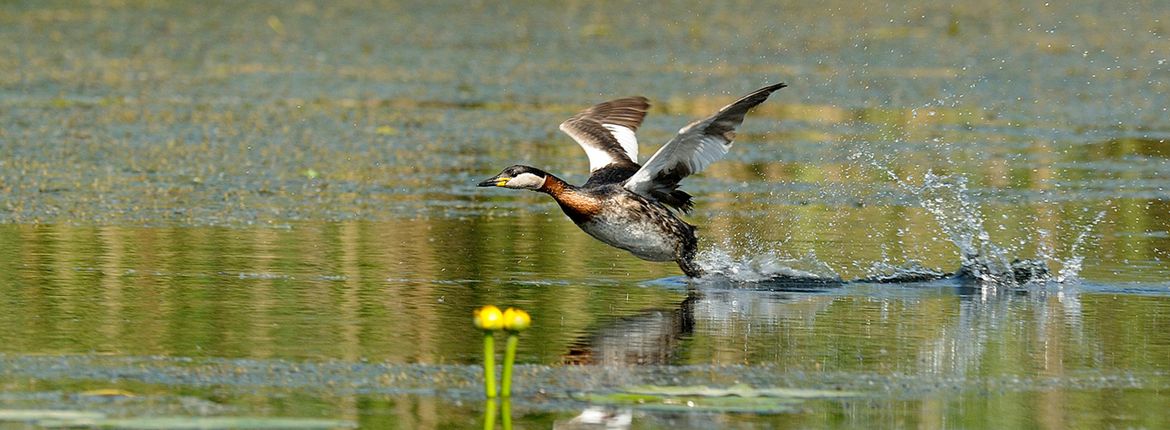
x=764, y=267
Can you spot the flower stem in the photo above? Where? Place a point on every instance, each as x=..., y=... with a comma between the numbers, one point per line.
x=489, y=364
x=509, y=359
x=506, y=413
x=489, y=414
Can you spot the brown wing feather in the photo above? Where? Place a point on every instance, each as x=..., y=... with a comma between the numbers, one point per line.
x=606, y=131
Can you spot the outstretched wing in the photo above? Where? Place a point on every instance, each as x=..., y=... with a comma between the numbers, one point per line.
x=606, y=132
x=695, y=147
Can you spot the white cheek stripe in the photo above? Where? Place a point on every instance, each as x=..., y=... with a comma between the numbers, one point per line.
x=526, y=180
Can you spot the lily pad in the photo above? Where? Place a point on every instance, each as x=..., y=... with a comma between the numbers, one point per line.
x=211, y=423
x=738, y=398
x=741, y=390
x=757, y=405
x=40, y=415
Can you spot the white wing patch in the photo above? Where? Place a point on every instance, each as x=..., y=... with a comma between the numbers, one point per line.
x=625, y=137
x=598, y=157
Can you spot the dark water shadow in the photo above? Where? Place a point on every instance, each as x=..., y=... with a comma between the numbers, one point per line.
x=649, y=337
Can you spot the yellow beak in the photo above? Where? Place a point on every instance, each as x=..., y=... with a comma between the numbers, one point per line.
x=495, y=182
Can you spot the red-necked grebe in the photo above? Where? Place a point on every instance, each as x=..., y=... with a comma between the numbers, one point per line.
x=625, y=204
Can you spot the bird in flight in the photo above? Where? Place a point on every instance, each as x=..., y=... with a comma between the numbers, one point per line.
x=632, y=206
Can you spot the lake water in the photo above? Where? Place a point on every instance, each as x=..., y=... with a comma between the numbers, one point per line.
x=269, y=210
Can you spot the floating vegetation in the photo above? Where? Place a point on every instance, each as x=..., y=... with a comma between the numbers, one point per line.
x=738, y=398
x=38, y=416
x=75, y=419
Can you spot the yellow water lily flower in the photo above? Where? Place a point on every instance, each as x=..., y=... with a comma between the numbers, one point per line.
x=489, y=318
x=516, y=319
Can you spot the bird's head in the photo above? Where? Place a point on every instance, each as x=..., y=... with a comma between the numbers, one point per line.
x=518, y=177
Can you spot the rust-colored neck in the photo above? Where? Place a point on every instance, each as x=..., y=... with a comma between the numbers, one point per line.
x=579, y=206
x=553, y=186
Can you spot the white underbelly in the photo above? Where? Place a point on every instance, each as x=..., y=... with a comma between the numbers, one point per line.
x=643, y=239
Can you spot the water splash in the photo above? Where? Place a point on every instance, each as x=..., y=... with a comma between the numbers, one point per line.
x=948, y=200
x=1070, y=267
x=767, y=266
